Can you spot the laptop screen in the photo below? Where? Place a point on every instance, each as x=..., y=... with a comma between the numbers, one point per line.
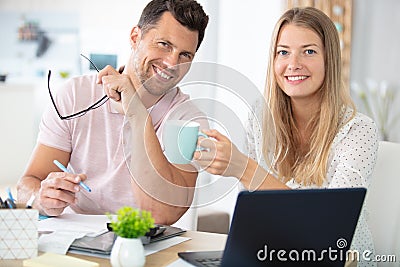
x=290, y=227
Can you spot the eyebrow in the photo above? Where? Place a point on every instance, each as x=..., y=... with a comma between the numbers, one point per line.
x=171, y=44
x=303, y=46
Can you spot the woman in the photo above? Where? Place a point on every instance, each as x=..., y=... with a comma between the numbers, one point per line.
x=311, y=136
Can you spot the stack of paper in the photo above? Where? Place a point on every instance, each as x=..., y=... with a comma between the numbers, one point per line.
x=58, y=233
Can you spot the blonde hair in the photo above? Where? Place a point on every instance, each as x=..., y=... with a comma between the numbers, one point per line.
x=281, y=138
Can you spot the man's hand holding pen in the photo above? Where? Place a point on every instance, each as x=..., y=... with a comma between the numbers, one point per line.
x=58, y=191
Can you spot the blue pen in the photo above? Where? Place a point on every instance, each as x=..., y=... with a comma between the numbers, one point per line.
x=9, y=194
x=10, y=201
x=59, y=165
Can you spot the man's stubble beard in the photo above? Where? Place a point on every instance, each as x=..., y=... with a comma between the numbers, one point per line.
x=145, y=80
x=155, y=90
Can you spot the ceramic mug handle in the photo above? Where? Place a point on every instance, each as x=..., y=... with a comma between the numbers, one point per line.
x=199, y=148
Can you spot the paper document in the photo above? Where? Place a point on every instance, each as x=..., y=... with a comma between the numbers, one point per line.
x=91, y=225
x=163, y=244
x=65, y=228
x=57, y=242
x=58, y=233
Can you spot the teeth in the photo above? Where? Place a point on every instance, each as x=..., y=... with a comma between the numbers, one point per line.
x=162, y=74
x=296, y=78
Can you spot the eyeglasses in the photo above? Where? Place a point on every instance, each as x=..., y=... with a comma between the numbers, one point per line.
x=98, y=103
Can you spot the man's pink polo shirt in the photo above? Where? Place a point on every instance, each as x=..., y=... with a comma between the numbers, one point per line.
x=95, y=140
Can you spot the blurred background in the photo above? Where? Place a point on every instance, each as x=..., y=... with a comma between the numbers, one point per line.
x=38, y=35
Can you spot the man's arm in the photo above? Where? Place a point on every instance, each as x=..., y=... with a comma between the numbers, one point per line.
x=54, y=190
x=162, y=188
x=158, y=186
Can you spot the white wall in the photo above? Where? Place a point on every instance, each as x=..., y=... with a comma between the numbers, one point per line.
x=105, y=26
x=375, y=49
x=375, y=40
x=17, y=133
x=244, y=35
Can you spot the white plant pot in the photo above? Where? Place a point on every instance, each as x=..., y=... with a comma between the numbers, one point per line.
x=127, y=252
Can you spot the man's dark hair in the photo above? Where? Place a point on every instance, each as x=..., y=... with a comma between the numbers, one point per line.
x=189, y=13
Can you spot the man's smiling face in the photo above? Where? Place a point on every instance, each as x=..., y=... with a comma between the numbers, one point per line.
x=163, y=54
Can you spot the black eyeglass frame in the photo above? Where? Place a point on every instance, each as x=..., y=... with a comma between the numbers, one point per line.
x=97, y=104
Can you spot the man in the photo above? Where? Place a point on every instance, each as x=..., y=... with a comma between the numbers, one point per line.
x=114, y=148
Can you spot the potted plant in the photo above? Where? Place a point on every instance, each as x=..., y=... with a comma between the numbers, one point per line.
x=129, y=225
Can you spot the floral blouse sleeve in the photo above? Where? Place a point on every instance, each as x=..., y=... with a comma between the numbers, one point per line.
x=253, y=142
x=353, y=154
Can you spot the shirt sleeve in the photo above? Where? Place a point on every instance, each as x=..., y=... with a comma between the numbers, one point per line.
x=253, y=141
x=250, y=142
x=53, y=131
x=355, y=155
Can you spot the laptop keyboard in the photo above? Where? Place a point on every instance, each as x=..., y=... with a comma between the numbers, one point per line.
x=213, y=262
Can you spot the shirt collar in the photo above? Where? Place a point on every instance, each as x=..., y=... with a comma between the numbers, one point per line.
x=158, y=109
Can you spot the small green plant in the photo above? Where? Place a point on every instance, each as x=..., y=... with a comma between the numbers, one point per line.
x=131, y=223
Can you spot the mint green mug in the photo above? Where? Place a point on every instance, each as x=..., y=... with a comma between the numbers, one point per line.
x=180, y=140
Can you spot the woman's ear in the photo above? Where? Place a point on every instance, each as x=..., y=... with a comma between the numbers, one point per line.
x=135, y=36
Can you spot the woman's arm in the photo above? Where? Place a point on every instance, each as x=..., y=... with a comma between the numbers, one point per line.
x=221, y=157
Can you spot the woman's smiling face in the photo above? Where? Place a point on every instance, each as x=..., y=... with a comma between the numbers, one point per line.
x=299, y=62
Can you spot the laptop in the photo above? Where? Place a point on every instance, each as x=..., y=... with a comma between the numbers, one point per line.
x=310, y=227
